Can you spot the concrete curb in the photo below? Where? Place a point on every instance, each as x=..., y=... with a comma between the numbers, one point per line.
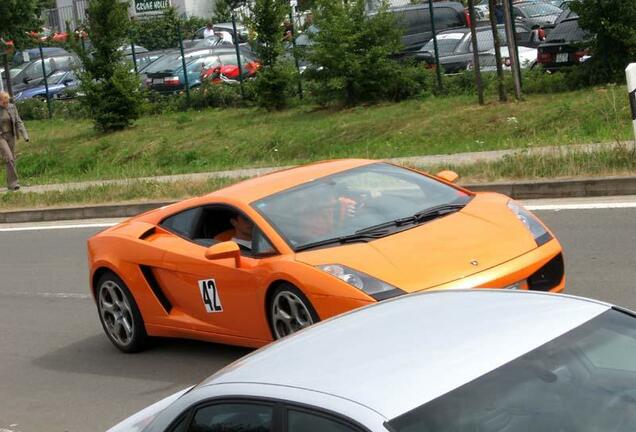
x=571, y=188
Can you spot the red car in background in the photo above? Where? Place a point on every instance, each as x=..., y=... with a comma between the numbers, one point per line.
x=226, y=68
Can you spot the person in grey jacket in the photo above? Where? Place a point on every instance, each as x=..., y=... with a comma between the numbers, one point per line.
x=11, y=126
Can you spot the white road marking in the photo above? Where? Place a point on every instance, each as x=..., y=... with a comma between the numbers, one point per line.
x=60, y=295
x=582, y=206
x=56, y=227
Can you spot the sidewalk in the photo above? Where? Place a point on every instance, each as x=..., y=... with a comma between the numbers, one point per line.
x=419, y=161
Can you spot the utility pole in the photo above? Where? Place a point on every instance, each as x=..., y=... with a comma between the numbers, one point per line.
x=495, y=34
x=476, y=65
x=438, y=70
x=512, y=48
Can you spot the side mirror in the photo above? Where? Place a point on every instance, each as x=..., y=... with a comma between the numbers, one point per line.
x=225, y=250
x=447, y=175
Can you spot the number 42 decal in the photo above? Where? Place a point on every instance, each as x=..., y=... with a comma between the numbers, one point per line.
x=210, y=296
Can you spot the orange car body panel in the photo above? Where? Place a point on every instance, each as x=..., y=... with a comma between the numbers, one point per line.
x=420, y=258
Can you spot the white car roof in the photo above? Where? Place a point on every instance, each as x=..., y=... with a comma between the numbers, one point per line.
x=402, y=353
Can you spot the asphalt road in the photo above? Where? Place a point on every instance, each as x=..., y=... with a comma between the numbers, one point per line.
x=58, y=372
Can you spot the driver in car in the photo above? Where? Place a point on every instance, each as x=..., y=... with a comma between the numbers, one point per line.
x=240, y=233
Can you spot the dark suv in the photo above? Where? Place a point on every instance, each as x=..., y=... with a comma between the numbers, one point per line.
x=416, y=20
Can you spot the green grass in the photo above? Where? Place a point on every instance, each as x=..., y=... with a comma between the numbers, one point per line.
x=617, y=161
x=216, y=139
x=620, y=160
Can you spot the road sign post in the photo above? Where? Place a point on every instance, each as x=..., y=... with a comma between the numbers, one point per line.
x=631, y=88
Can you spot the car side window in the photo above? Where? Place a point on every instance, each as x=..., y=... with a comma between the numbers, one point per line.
x=304, y=421
x=447, y=18
x=232, y=417
x=183, y=223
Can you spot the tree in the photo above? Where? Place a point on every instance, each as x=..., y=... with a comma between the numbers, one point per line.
x=112, y=91
x=18, y=17
x=354, y=50
x=223, y=10
x=614, y=43
x=275, y=79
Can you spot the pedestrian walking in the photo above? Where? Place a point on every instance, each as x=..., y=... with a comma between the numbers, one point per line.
x=11, y=126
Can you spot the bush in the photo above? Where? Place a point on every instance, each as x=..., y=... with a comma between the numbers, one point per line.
x=112, y=93
x=273, y=79
x=210, y=95
x=161, y=32
x=114, y=102
x=36, y=109
x=275, y=86
x=614, y=44
x=353, y=51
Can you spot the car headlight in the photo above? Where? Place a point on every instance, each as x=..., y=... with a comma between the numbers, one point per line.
x=369, y=285
x=530, y=221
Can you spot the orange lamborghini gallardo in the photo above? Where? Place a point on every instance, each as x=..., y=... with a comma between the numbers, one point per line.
x=261, y=259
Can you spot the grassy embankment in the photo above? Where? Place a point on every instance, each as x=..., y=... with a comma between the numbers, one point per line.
x=225, y=139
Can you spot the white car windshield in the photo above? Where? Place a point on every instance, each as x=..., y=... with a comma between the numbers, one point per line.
x=584, y=381
x=347, y=203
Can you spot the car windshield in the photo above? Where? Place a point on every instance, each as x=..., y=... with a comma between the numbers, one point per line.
x=584, y=381
x=486, y=40
x=537, y=9
x=446, y=43
x=343, y=204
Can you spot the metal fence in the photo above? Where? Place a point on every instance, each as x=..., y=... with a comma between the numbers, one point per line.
x=74, y=15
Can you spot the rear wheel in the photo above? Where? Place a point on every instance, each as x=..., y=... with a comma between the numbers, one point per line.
x=290, y=311
x=119, y=314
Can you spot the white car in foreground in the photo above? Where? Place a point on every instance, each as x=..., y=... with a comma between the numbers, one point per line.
x=483, y=361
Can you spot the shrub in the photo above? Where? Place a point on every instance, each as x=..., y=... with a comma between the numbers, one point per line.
x=614, y=44
x=111, y=91
x=36, y=109
x=273, y=79
x=161, y=32
x=352, y=52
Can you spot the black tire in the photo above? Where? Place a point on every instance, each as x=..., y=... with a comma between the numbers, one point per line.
x=123, y=309
x=283, y=294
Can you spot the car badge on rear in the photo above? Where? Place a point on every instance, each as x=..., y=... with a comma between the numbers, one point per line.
x=474, y=263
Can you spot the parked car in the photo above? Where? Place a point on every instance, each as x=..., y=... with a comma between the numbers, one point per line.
x=33, y=69
x=243, y=35
x=446, y=361
x=565, y=46
x=58, y=82
x=166, y=75
x=225, y=68
x=536, y=13
x=488, y=61
x=456, y=50
x=416, y=21
x=25, y=56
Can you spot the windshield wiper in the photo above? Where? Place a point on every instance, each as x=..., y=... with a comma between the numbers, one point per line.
x=435, y=212
x=352, y=238
x=419, y=217
x=382, y=230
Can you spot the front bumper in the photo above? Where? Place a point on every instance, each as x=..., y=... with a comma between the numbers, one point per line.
x=542, y=268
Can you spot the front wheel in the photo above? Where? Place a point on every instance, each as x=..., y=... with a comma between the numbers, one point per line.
x=290, y=311
x=119, y=314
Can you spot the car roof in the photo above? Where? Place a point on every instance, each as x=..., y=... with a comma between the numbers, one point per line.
x=438, y=4
x=272, y=183
x=400, y=354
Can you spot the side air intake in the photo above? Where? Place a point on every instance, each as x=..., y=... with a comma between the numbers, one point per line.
x=156, y=289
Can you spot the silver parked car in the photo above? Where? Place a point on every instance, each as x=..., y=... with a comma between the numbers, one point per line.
x=443, y=361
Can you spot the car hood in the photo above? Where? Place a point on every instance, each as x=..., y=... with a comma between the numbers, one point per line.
x=483, y=235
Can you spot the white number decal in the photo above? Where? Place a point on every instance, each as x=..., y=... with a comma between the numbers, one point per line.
x=210, y=296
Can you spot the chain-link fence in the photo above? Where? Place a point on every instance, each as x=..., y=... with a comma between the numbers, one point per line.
x=502, y=38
